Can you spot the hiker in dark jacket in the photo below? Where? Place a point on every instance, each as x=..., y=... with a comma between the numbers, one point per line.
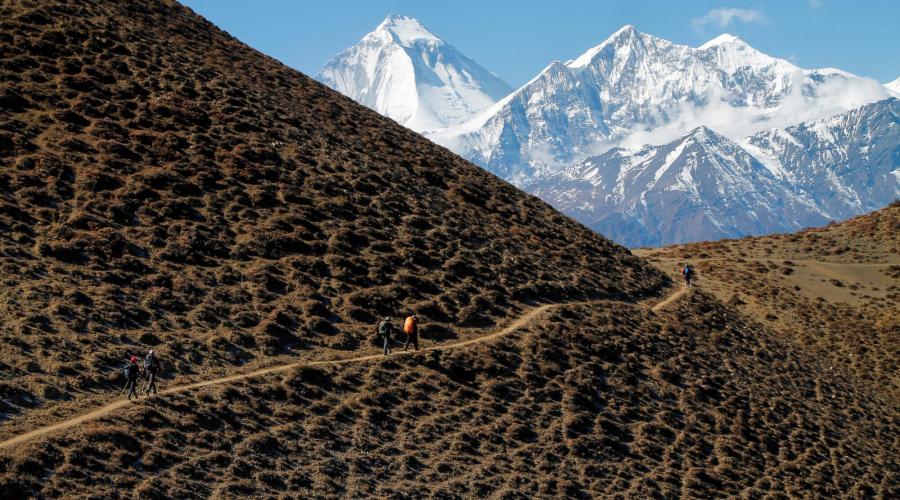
x=688, y=273
x=132, y=372
x=386, y=331
x=151, y=371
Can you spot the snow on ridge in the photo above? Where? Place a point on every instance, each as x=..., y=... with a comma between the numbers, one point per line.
x=720, y=40
x=588, y=56
x=894, y=87
x=635, y=88
x=407, y=30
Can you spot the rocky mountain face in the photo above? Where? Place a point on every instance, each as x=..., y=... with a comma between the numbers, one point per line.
x=848, y=164
x=407, y=73
x=704, y=186
x=635, y=88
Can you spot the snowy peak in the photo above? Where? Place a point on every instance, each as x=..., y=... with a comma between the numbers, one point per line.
x=731, y=54
x=723, y=39
x=627, y=36
x=407, y=73
x=407, y=30
x=894, y=87
x=703, y=134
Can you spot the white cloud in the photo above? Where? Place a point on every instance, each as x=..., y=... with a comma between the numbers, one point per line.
x=723, y=17
x=830, y=98
x=815, y=4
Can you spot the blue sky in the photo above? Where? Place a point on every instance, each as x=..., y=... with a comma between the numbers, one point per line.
x=516, y=39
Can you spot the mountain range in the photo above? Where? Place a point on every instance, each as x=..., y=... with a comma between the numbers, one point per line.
x=578, y=135
x=704, y=186
x=407, y=73
x=635, y=88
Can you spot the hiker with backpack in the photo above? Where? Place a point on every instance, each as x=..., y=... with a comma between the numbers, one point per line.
x=151, y=371
x=411, y=329
x=132, y=371
x=688, y=273
x=385, y=333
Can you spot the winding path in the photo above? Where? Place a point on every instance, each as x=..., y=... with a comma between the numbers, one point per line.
x=520, y=322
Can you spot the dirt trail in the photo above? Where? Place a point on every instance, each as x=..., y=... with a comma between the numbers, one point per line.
x=515, y=325
x=672, y=297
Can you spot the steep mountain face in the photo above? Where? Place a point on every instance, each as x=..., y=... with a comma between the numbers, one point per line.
x=163, y=185
x=704, y=186
x=636, y=88
x=405, y=72
x=701, y=186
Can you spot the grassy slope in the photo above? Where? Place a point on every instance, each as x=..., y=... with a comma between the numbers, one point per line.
x=833, y=289
x=587, y=401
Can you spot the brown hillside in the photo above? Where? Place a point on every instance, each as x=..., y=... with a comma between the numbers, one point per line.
x=834, y=289
x=586, y=402
x=165, y=185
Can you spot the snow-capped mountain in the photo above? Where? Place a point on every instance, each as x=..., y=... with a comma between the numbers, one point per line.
x=704, y=186
x=894, y=87
x=635, y=88
x=407, y=73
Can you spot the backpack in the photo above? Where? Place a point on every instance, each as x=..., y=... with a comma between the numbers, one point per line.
x=409, y=326
x=151, y=364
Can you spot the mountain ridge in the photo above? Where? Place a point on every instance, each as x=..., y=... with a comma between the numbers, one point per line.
x=623, y=88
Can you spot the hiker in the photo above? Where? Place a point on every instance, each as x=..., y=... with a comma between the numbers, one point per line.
x=385, y=332
x=411, y=329
x=688, y=273
x=151, y=371
x=132, y=371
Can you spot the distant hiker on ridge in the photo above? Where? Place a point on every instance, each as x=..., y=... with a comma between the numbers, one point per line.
x=151, y=371
x=385, y=333
x=411, y=329
x=688, y=273
x=132, y=371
